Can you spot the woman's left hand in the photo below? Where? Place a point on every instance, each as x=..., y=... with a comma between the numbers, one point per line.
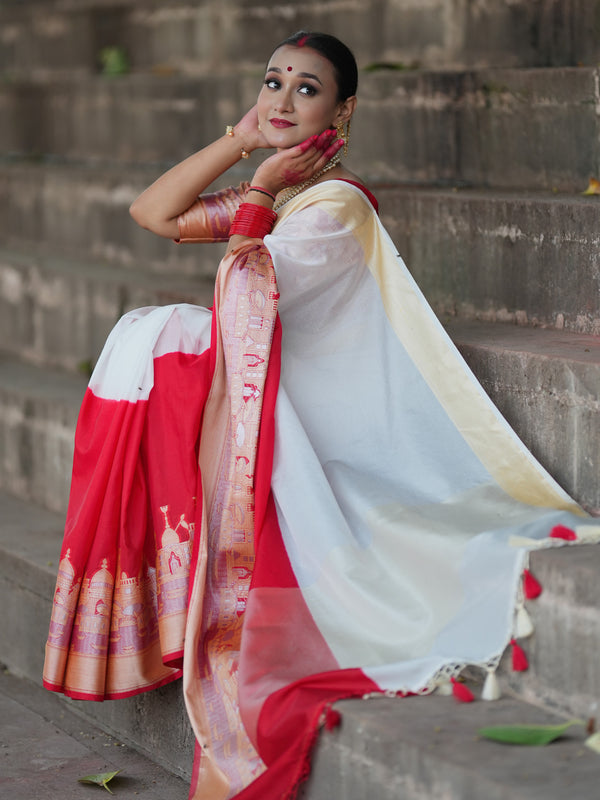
x=297, y=164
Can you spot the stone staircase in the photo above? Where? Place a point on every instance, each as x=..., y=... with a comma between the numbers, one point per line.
x=478, y=158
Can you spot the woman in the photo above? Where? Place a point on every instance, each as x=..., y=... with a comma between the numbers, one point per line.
x=354, y=514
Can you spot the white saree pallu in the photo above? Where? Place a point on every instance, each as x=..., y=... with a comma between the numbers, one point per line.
x=363, y=513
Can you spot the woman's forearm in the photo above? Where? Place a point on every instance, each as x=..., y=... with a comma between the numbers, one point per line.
x=158, y=207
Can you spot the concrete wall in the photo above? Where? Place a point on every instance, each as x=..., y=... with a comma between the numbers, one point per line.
x=195, y=37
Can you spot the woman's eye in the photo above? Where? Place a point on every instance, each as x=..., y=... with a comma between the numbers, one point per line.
x=272, y=83
x=307, y=89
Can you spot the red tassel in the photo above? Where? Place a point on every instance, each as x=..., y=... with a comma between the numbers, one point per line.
x=532, y=588
x=562, y=532
x=462, y=693
x=332, y=719
x=519, y=659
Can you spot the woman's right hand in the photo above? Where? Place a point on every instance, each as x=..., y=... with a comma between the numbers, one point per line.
x=249, y=133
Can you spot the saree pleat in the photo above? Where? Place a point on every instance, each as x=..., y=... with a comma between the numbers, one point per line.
x=120, y=602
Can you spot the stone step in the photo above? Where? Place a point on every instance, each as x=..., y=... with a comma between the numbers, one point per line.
x=30, y=540
x=530, y=258
x=546, y=383
x=427, y=748
x=564, y=651
x=503, y=256
x=59, y=311
x=38, y=412
x=82, y=212
x=414, y=747
x=191, y=37
x=535, y=128
x=48, y=744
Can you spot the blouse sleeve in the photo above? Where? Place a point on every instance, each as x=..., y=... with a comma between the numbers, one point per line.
x=209, y=218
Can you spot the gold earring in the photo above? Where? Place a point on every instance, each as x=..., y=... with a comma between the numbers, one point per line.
x=344, y=135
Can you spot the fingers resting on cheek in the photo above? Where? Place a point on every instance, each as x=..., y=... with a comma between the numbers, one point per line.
x=319, y=140
x=333, y=149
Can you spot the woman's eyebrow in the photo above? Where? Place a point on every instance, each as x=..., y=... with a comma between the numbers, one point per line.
x=309, y=75
x=300, y=74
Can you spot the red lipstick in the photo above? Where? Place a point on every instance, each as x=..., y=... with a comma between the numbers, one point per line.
x=281, y=123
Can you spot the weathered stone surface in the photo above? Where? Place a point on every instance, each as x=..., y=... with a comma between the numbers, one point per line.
x=527, y=258
x=420, y=748
x=503, y=128
x=415, y=748
x=193, y=37
x=30, y=540
x=547, y=386
x=83, y=212
x=493, y=127
x=565, y=647
x=58, y=312
x=47, y=744
x=530, y=258
x=38, y=411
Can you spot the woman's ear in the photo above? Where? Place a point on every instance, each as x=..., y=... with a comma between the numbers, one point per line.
x=345, y=110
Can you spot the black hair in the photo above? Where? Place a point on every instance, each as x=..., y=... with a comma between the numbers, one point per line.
x=336, y=52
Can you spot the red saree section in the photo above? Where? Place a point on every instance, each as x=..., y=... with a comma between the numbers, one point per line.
x=120, y=602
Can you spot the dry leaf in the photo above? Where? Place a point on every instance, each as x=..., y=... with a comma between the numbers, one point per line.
x=101, y=779
x=593, y=187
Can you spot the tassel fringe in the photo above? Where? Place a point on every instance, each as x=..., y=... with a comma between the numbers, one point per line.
x=562, y=532
x=532, y=588
x=333, y=719
x=462, y=693
x=519, y=659
x=523, y=624
x=491, y=687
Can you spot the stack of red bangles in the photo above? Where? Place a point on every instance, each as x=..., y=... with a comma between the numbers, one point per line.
x=253, y=220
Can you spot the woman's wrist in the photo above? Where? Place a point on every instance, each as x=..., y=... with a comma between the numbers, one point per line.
x=239, y=141
x=265, y=182
x=262, y=190
x=260, y=196
x=252, y=220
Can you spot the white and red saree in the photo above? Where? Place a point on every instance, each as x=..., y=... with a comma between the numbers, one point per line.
x=306, y=495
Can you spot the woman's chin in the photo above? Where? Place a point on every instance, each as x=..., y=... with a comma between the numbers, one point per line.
x=285, y=138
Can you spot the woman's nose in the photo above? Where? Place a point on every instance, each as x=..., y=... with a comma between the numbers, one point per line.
x=284, y=102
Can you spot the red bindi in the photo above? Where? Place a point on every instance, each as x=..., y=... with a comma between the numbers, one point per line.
x=289, y=69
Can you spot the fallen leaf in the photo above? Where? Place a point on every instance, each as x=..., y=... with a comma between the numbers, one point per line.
x=102, y=779
x=527, y=734
x=593, y=187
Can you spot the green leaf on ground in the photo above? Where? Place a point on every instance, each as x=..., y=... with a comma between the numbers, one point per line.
x=102, y=779
x=526, y=734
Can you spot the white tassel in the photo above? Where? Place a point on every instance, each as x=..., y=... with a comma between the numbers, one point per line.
x=523, y=624
x=444, y=688
x=491, y=687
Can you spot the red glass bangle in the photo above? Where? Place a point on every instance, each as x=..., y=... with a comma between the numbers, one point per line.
x=262, y=191
x=253, y=220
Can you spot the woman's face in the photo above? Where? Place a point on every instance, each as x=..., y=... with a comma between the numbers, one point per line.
x=298, y=98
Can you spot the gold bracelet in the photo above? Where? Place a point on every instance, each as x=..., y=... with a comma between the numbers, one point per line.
x=229, y=131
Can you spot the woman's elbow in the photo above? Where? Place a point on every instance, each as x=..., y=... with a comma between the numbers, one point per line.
x=137, y=212
x=162, y=227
